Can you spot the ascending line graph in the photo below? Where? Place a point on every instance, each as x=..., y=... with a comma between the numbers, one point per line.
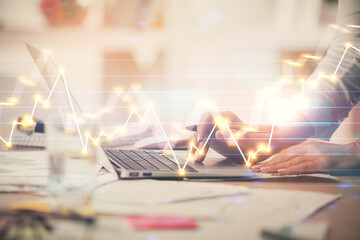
x=95, y=139
x=332, y=76
x=87, y=139
x=84, y=141
x=224, y=124
x=267, y=148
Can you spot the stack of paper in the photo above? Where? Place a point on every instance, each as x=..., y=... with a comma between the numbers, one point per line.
x=206, y=200
x=28, y=171
x=148, y=197
x=23, y=168
x=222, y=211
x=151, y=192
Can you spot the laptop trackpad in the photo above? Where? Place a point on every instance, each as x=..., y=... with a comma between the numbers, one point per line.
x=218, y=164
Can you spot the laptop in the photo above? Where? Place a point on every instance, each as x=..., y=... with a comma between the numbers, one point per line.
x=140, y=164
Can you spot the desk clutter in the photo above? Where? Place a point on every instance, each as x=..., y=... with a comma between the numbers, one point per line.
x=24, y=225
x=153, y=209
x=178, y=210
x=34, y=220
x=173, y=210
x=221, y=211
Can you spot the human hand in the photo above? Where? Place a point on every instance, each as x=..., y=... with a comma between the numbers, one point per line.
x=312, y=156
x=224, y=132
x=205, y=136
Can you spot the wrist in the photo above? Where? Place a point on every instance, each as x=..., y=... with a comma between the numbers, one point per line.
x=355, y=149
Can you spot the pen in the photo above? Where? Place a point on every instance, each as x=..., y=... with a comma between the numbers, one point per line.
x=191, y=128
x=194, y=129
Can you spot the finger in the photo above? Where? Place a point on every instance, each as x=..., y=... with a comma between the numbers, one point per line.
x=234, y=121
x=229, y=146
x=191, y=145
x=283, y=156
x=205, y=125
x=238, y=143
x=205, y=129
x=204, y=145
x=306, y=167
x=287, y=164
x=256, y=168
x=203, y=148
x=224, y=135
x=191, y=142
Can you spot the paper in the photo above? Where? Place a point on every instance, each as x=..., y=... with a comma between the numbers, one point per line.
x=23, y=168
x=28, y=171
x=103, y=178
x=241, y=216
x=148, y=192
x=285, y=205
x=272, y=208
x=151, y=197
x=207, y=201
x=208, y=209
x=25, y=163
x=314, y=175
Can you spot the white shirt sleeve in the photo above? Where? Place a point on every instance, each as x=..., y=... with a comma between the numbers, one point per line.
x=332, y=99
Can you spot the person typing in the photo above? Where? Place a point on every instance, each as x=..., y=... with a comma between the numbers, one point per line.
x=302, y=146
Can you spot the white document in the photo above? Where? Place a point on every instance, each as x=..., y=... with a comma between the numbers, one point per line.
x=230, y=203
x=24, y=168
x=313, y=175
x=271, y=208
x=149, y=192
x=151, y=197
x=28, y=171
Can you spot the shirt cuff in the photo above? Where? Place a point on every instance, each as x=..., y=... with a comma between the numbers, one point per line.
x=319, y=115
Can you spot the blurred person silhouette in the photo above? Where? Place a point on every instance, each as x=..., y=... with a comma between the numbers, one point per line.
x=301, y=146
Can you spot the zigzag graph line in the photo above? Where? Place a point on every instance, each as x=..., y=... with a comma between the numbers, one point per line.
x=88, y=137
x=332, y=76
x=267, y=148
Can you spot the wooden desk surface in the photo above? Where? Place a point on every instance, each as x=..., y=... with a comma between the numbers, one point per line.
x=342, y=215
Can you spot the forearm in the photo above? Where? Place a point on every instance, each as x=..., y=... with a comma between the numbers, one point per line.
x=285, y=134
x=346, y=157
x=356, y=150
x=339, y=89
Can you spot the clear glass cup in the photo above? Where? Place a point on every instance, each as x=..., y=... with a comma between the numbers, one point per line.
x=71, y=171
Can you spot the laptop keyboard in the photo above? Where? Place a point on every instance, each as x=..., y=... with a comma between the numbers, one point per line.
x=36, y=140
x=140, y=160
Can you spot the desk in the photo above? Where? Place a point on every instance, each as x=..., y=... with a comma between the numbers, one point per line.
x=343, y=215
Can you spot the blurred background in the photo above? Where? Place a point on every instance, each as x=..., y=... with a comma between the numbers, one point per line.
x=187, y=55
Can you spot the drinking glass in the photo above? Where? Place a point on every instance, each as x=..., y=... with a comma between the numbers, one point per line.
x=71, y=171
